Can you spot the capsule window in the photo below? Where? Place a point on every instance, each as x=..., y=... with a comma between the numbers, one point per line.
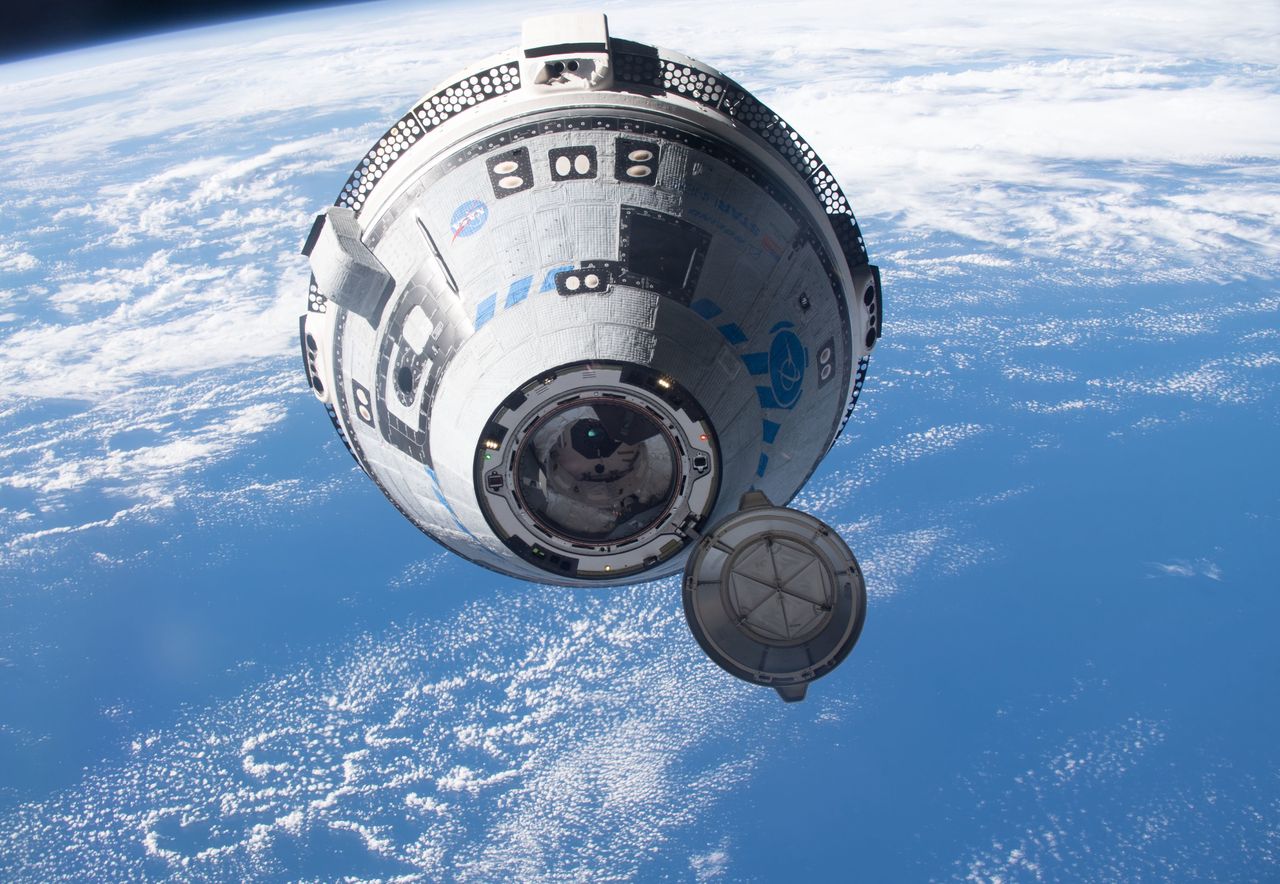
x=636, y=161
x=510, y=172
x=592, y=279
x=363, y=402
x=826, y=361
x=572, y=163
x=597, y=471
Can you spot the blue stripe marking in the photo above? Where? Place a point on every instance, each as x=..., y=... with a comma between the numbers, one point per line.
x=767, y=399
x=519, y=291
x=705, y=308
x=757, y=363
x=764, y=465
x=440, y=497
x=732, y=333
x=549, y=281
x=485, y=309
x=771, y=432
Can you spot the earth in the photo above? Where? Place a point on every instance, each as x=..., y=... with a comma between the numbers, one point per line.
x=224, y=656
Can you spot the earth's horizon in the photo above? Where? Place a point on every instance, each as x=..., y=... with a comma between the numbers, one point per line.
x=224, y=656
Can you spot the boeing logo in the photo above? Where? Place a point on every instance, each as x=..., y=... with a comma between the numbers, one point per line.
x=786, y=367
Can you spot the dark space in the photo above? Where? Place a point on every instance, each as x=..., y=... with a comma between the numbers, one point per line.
x=34, y=29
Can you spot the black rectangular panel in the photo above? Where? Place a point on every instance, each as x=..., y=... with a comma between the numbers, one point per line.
x=510, y=172
x=636, y=161
x=661, y=252
x=573, y=163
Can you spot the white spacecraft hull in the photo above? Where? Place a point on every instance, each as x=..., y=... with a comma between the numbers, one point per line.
x=587, y=233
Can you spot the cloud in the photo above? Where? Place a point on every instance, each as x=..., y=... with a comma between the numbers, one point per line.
x=1048, y=842
x=518, y=740
x=834, y=492
x=1183, y=568
x=1233, y=380
x=14, y=260
x=712, y=865
x=1101, y=802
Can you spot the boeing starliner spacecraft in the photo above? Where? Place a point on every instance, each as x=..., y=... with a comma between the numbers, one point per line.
x=589, y=313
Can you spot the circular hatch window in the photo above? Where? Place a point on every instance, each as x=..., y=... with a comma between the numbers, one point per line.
x=597, y=471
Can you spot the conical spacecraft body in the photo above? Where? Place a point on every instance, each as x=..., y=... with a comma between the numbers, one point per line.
x=582, y=298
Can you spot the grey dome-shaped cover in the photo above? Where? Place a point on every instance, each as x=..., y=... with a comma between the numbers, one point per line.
x=774, y=596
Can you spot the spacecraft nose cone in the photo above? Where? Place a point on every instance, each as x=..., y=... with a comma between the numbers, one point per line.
x=774, y=596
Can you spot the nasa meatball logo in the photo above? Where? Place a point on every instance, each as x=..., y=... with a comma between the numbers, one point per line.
x=786, y=368
x=468, y=218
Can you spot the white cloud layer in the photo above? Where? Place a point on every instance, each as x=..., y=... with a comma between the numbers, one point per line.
x=149, y=223
x=559, y=750
x=1183, y=568
x=1090, y=805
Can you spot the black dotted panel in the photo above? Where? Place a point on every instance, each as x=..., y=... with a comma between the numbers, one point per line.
x=849, y=236
x=333, y=417
x=316, y=302
x=692, y=83
x=433, y=111
x=859, y=379
x=637, y=64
